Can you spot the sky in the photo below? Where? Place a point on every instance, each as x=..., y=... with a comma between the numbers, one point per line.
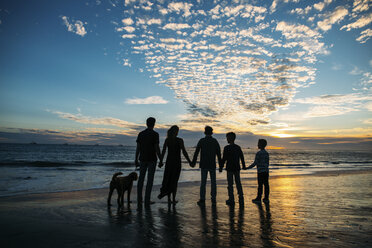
x=296, y=72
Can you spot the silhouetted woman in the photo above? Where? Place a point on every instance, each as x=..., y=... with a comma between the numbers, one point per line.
x=173, y=163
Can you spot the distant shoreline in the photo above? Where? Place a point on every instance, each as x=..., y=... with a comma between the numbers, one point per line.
x=190, y=147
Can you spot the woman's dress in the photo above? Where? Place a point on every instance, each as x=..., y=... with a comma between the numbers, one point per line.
x=172, y=169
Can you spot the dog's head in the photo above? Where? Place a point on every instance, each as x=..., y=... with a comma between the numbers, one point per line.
x=133, y=176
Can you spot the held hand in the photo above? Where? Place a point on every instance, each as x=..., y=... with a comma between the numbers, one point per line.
x=160, y=164
x=245, y=168
x=220, y=169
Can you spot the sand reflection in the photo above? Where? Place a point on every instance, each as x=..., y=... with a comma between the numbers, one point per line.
x=265, y=225
x=236, y=224
x=210, y=232
x=171, y=230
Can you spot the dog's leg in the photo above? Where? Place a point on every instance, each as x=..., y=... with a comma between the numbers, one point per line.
x=122, y=198
x=129, y=190
x=119, y=197
x=109, y=196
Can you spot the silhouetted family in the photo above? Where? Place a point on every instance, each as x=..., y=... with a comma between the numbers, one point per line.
x=148, y=151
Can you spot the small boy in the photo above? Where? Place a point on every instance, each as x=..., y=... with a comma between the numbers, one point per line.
x=262, y=162
x=232, y=153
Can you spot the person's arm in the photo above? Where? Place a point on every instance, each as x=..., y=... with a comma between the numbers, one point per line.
x=254, y=163
x=157, y=148
x=163, y=153
x=184, y=152
x=223, y=160
x=137, y=154
x=242, y=158
x=218, y=153
x=196, y=153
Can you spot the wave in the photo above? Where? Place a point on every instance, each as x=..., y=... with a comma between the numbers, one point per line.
x=347, y=162
x=31, y=163
x=292, y=165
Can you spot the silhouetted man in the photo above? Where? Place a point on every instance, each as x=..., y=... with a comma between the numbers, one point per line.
x=209, y=148
x=147, y=152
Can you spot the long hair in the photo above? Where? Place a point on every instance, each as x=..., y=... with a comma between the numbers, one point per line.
x=172, y=132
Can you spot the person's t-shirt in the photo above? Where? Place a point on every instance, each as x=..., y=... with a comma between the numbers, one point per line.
x=147, y=140
x=262, y=161
x=209, y=148
x=232, y=154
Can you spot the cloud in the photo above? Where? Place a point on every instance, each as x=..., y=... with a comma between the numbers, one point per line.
x=105, y=121
x=334, y=99
x=368, y=106
x=129, y=29
x=176, y=26
x=356, y=71
x=147, y=100
x=365, y=35
x=77, y=27
x=127, y=21
x=334, y=17
x=180, y=7
x=338, y=104
x=368, y=121
x=321, y=5
x=236, y=63
x=360, y=5
x=325, y=111
x=361, y=22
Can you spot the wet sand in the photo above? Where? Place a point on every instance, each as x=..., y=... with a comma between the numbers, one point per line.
x=328, y=209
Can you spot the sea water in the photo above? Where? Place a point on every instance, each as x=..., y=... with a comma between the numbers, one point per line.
x=36, y=168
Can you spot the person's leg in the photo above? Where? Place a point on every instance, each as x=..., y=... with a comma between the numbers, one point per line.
x=230, y=184
x=150, y=180
x=204, y=174
x=212, y=173
x=141, y=179
x=260, y=183
x=238, y=185
x=266, y=183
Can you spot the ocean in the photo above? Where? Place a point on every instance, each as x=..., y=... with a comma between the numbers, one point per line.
x=37, y=168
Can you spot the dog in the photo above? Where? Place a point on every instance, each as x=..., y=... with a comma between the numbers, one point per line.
x=121, y=184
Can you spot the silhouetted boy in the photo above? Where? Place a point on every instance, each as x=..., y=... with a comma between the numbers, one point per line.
x=233, y=154
x=262, y=162
x=209, y=150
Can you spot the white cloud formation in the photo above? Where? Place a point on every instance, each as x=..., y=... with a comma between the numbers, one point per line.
x=179, y=7
x=361, y=5
x=338, y=104
x=105, y=121
x=365, y=35
x=77, y=27
x=127, y=21
x=325, y=111
x=368, y=106
x=361, y=22
x=147, y=100
x=235, y=62
x=321, y=5
x=176, y=26
x=334, y=17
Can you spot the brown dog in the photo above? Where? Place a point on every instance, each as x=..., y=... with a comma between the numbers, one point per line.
x=121, y=184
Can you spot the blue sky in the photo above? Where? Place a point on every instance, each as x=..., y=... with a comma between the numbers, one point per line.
x=85, y=71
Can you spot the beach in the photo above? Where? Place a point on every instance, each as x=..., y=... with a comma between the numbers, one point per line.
x=325, y=209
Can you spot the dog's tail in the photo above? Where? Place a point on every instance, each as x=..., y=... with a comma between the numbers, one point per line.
x=116, y=174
